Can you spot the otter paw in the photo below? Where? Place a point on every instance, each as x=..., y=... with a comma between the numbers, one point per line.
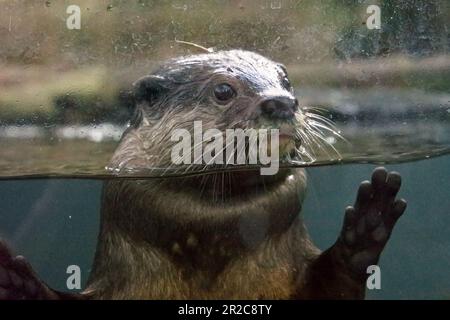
x=368, y=225
x=17, y=278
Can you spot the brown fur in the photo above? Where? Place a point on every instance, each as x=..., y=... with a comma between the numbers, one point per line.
x=219, y=235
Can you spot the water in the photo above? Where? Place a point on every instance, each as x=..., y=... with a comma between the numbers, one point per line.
x=54, y=231
x=375, y=125
x=416, y=260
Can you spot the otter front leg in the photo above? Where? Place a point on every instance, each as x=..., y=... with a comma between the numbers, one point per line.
x=341, y=271
x=19, y=281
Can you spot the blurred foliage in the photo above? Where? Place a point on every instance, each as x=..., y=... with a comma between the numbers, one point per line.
x=416, y=28
x=122, y=32
x=51, y=73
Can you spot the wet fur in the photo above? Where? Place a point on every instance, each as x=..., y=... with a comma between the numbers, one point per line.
x=200, y=237
x=218, y=235
x=160, y=242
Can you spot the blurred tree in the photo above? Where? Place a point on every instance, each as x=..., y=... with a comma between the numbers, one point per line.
x=417, y=28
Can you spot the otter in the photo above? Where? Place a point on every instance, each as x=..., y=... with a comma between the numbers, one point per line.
x=219, y=234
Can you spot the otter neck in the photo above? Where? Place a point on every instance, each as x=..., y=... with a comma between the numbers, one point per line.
x=195, y=231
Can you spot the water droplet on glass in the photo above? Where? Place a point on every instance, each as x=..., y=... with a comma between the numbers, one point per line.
x=109, y=7
x=48, y=3
x=275, y=5
x=183, y=7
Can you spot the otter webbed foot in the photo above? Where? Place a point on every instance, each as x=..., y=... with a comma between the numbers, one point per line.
x=369, y=223
x=341, y=271
x=18, y=281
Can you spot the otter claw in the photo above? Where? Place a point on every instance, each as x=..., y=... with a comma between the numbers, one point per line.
x=17, y=278
x=369, y=223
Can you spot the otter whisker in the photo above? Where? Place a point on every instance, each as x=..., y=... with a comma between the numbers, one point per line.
x=240, y=151
x=214, y=186
x=203, y=184
x=305, y=153
x=230, y=181
x=223, y=186
x=322, y=143
x=311, y=132
x=317, y=126
x=317, y=137
x=323, y=120
x=197, y=46
x=325, y=123
x=315, y=123
x=306, y=145
x=233, y=124
x=222, y=153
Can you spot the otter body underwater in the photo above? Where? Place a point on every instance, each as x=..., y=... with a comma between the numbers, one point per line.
x=219, y=235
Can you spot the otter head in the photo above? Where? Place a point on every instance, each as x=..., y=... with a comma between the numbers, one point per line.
x=216, y=91
x=224, y=90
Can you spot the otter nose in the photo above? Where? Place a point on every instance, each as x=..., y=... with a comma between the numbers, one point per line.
x=283, y=108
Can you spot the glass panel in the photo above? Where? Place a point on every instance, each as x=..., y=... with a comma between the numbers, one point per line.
x=66, y=94
x=88, y=90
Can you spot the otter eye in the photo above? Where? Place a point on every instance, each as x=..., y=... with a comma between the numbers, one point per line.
x=224, y=92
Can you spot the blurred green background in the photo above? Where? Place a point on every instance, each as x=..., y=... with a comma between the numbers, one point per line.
x=50, y=74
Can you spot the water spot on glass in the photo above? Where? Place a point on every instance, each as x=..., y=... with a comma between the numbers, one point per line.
x=183, y=7
x=331, y=140
x=109, y=7
x=48, y=3
x=275, y=5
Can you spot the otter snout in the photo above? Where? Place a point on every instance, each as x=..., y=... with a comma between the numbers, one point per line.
x=280, y=108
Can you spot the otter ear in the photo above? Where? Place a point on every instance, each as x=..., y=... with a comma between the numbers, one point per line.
x=150, y=88
x=283, y=68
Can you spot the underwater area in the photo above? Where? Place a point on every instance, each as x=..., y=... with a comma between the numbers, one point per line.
x=54, y=231
x=372, y=79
